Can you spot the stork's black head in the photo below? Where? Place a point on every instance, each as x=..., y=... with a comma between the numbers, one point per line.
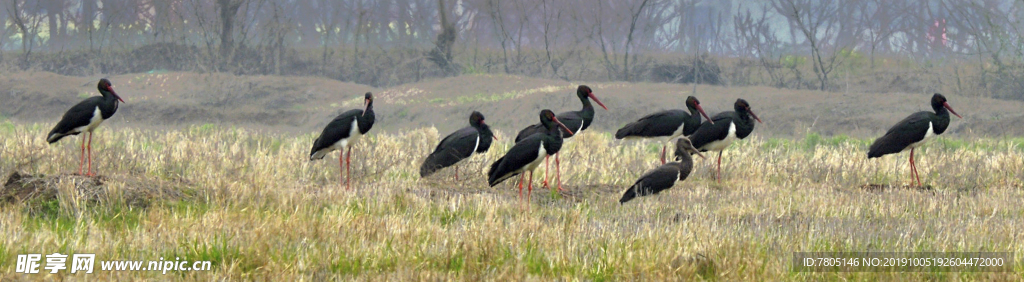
x=742, y=106
x=585, y=93
x=546, y=116
x=367, y=102
x=685, y=147
x=476, y=118
x=549, y=120
x=939, y=102
x=693, y=105
x=106, y=88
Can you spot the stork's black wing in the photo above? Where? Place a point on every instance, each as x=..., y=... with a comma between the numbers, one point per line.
x=708, y=132
x=573, y=120
x=519, y=156
x=452, y=149
x=653, y=182
x=908, y=131
x=663, y=123
x=339, y=128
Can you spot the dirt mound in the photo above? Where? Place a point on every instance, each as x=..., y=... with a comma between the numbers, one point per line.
x=34, y=191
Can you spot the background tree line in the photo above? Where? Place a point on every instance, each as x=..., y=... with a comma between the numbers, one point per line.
x=965, y=46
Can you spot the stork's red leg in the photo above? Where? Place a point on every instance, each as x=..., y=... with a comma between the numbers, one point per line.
x=547, y=167
x=81, y=158
x=529, y=191
x=348, y=169
x=662, y=153
x=90, y=155
x=456, y=173
x=521, y=185
x=913, y=167
x=341, y=167
x=718, y=175
x=558, y=172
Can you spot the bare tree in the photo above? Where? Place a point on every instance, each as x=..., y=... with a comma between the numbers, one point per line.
x=441, y=55
x=328, y=15
x=818, y=23
x=27, y=24
x=227, y=9
x=552, y=12
x=880, y=20
x=635, y=14
x=757, y=36
x=56, y=21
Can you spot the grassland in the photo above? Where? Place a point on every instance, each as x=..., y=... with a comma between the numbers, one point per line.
x=255, y=206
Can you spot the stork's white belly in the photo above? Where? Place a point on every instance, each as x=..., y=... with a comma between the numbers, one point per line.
x=94, y=122
x=719, y=145
x=353, y=137
x=928, y=135
x=541, y=153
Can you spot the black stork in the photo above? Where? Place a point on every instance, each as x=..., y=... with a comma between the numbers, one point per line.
x=86, y=116
x=461, y=144
x=666, y=124
x=342, y=133
x=526, y=154
x=575, y=120
x=913, y=131
x=663, y=177
x=720, y=131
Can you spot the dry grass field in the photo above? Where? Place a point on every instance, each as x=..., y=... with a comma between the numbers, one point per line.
x=215, y=167
x=252, y=203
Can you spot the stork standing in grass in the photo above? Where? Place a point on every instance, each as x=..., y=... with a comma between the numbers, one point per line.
x=666, y=125
x=913, y=131
x=342, y=133
x=723, y=129
x=527, y=154
x=86, y=116
x=575, y=120
x=665, y=176
x=461, y=144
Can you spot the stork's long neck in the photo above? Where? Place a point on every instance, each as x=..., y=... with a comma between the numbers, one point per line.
x=684, y=158
x=940, y=110
x=942, y=123
x=694, y=115
x=588, y=110
x=108, y=96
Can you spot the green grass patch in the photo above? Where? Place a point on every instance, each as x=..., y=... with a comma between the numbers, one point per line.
x=217, y=251
x=189, y=209
x=355, y=264
x=814, y=140
x=117, y=217
x=48, y=215
x=202, y=130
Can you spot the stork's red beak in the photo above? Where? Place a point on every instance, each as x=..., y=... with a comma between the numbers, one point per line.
x=701, y=110
x=111, y=89
x=591, y=94
x=944, y=104
x=701, y=155
x=754, y=115
x=563, y=125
